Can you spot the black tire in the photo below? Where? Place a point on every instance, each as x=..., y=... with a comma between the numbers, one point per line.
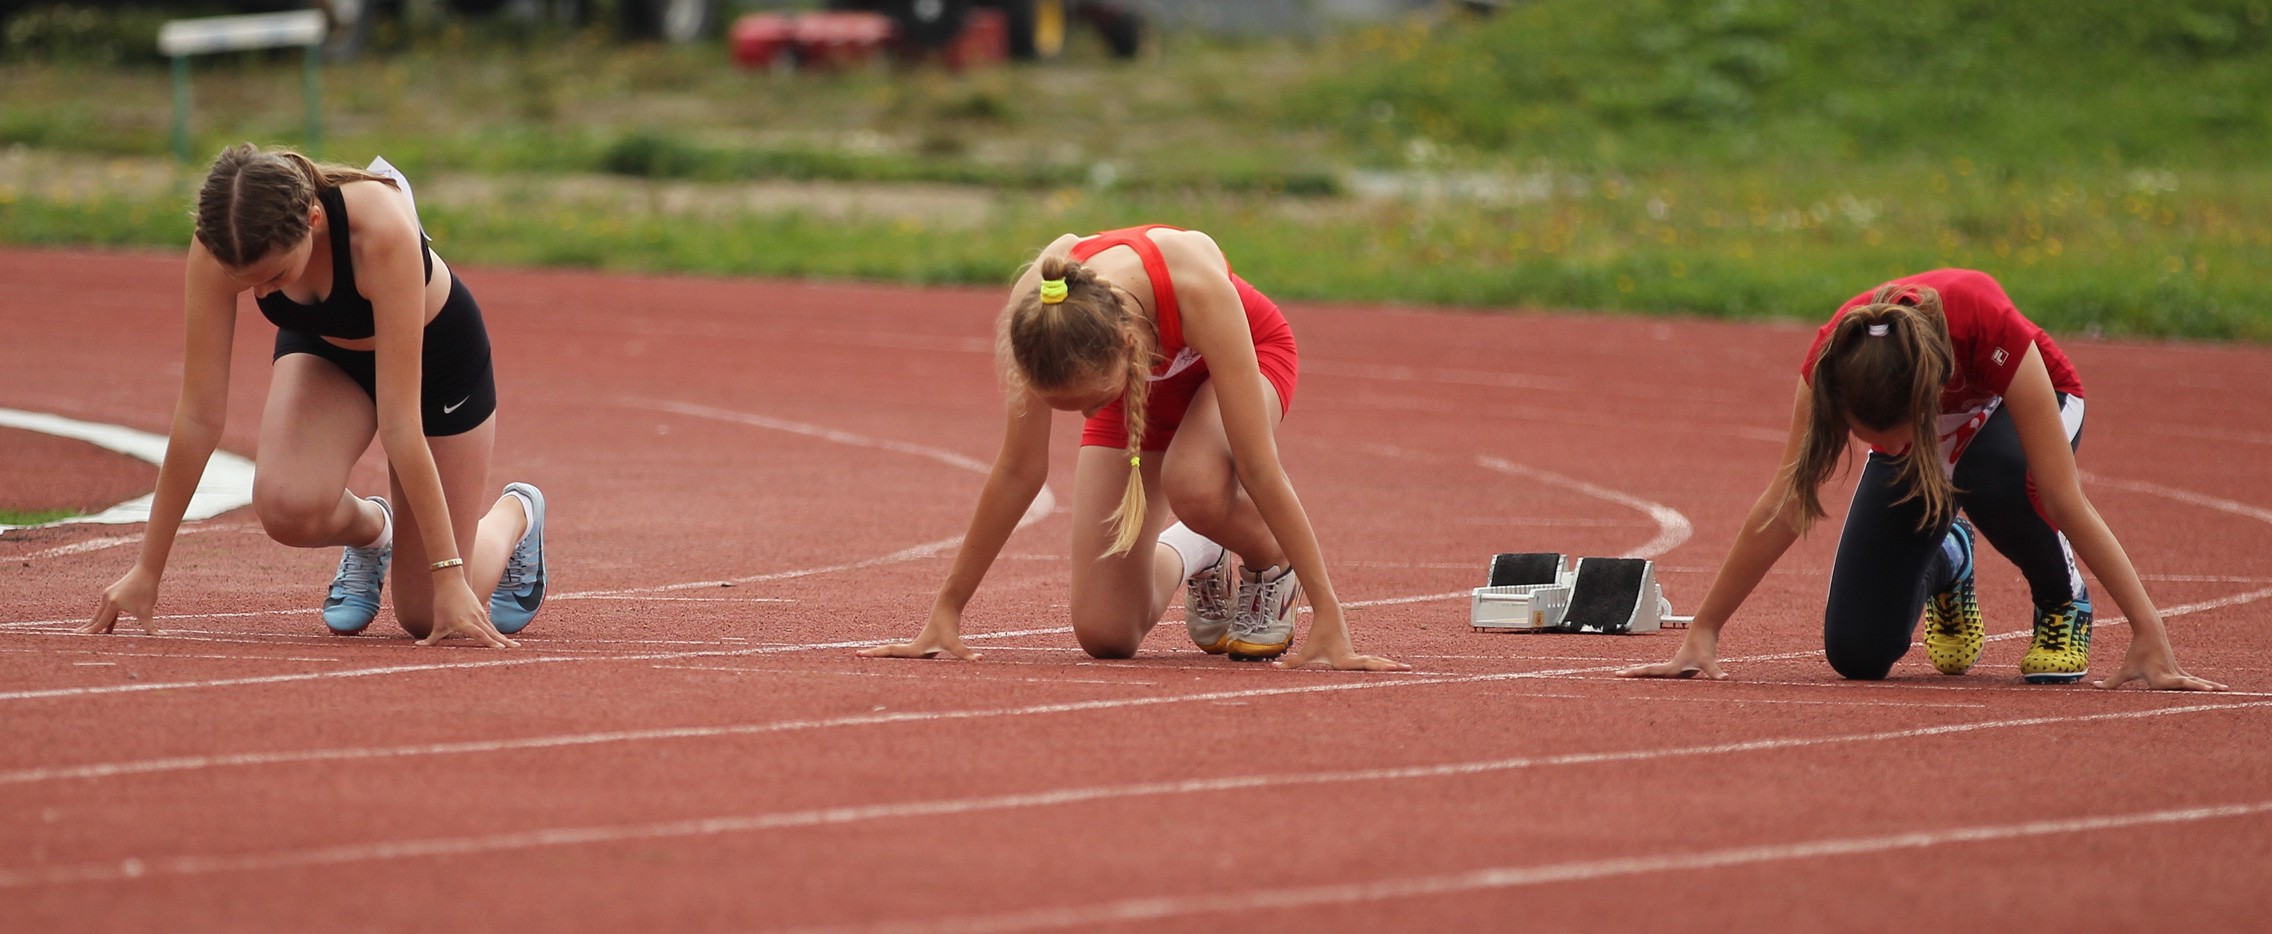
x=1120, y=25
x=1037, y=28
x=929, y=24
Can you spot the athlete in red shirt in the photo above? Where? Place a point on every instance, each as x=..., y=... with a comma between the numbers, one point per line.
x=1184, y=371
x=1966, y=405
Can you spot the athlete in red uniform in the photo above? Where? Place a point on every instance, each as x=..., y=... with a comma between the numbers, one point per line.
x=1184, y=371
x=1966, y=404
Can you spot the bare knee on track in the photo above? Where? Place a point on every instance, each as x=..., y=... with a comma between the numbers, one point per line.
x=300, y=518
x=1107, y=636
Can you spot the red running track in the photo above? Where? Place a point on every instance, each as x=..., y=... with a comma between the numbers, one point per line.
x=670, y=752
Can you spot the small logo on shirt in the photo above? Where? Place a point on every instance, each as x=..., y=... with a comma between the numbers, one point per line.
x=1999, y=356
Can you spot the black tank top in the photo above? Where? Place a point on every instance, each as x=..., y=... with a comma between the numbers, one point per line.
x=345, y=313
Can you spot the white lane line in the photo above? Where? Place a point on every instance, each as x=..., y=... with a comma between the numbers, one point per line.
x=226, y=484
x=99, y=544
x=22, y=629
x=76, y=621
x=783, y=671
x=233, y=658
x=1039, y=509
x=1160, y=907
x=104, y=770
x=651, y=598
x=135, y=868
x=1672, y=527
x=2013, y=688
x=490, y=663
x=880, y=674
x=2183, y=609
x=2179, y=610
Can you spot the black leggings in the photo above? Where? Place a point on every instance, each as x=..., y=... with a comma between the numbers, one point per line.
x=1887, y=568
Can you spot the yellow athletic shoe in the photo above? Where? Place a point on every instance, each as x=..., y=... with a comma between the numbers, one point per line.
x=2061, y=653
x=1953, y=633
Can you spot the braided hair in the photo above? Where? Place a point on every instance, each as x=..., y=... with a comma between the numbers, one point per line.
x=1052, y=339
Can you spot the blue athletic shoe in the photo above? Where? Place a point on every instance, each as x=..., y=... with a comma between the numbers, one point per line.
x=521, y=589
x=354, y=598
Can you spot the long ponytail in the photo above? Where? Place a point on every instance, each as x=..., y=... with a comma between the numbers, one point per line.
x=1885, y=364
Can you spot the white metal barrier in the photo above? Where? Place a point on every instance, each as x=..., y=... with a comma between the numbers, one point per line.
x=182, y=38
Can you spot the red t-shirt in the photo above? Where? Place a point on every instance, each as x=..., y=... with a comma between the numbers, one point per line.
x=1989, y=337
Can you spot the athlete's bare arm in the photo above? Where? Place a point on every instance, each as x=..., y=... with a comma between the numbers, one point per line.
x=1215, y=325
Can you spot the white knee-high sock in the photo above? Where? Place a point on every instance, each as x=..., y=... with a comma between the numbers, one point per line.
x=1197, y=552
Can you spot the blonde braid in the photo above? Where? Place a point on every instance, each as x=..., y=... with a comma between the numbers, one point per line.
x=1072, y=338
x=1128, y=520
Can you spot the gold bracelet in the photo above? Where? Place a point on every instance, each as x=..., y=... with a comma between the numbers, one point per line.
x=448, y=563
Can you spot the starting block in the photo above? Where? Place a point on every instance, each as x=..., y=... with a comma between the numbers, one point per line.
x=1541, y=592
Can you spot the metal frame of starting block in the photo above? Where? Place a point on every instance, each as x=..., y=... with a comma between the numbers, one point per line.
x=1542, y=592
x=1528, y=592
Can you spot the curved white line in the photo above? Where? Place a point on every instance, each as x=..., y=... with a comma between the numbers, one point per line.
x=2241, y=509
x=1042, y=505
x=226, y=484
x=1672, y=527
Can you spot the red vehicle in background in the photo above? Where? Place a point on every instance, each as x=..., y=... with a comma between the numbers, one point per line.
x=1037, y=29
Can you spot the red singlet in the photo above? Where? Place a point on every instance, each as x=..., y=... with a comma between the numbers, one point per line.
x=1181, y=370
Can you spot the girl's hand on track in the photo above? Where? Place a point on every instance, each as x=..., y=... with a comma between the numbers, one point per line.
x=1339, y=654
x=942, y=634
x=2158, y=672
x=1697, y=658
x=457, y=612
x=134, y=595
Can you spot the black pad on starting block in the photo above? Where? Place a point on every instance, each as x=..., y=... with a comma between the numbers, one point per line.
x=1535, y=567
x=1607, y=595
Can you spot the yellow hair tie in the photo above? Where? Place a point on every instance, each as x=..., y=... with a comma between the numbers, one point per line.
x=1135, y=460
x=1052, y=291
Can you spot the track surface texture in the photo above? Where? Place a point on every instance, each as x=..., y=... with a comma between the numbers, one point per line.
x=749, y=479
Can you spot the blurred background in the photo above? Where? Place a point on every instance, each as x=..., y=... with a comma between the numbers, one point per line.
x=1753, y=158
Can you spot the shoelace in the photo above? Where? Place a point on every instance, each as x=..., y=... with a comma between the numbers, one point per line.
x=357, y=566
x=1262, y=600
x=517, y=567
x=1207, y=589
x=1948, y=612
x=2052, y=632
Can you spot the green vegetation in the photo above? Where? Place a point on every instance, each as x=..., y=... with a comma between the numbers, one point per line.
x=1721, y=157
x=34, y=517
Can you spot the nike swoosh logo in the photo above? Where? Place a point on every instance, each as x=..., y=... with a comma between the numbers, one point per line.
x=447, y=409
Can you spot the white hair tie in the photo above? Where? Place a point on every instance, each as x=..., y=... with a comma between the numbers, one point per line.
x=1880, y=329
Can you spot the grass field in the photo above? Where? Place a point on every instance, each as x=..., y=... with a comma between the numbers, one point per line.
x=1725, y=158
x=17, y=517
